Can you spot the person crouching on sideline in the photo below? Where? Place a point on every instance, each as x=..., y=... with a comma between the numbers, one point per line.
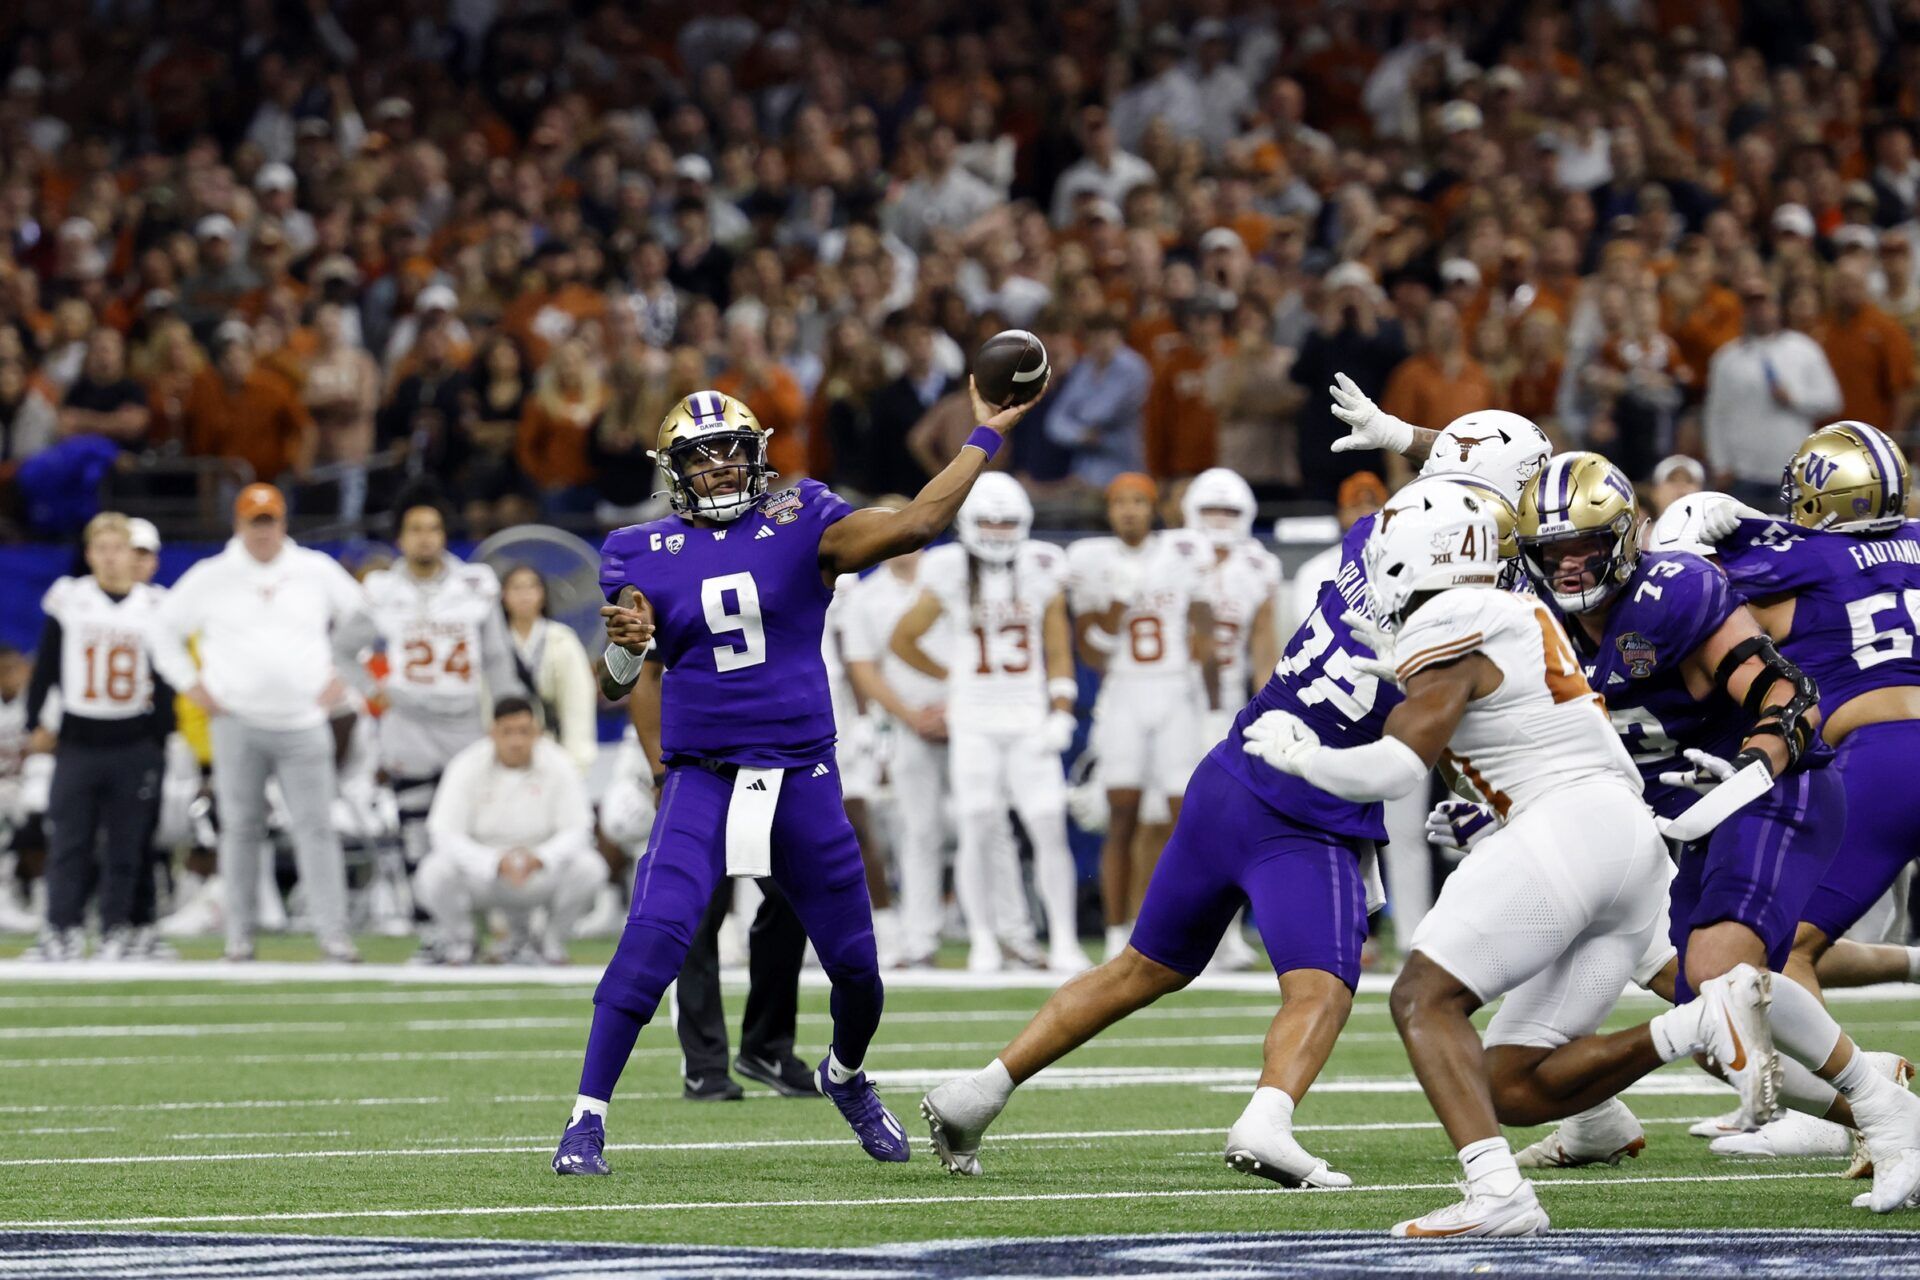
x=510, y=828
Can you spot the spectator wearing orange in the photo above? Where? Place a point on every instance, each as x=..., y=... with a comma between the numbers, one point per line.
x=756, y=379
x=236, y=409
x=552, y=446
x=1702, y=314
x=1869, y=350
x=1441, y=381
x=1182, y=424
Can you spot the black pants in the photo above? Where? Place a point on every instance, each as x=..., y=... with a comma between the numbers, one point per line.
x=101, y=812
x=776, y=944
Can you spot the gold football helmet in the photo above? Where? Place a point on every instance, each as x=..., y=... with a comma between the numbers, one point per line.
x=1505, y=518
x=1579, y=498
x=1847, y=477
x=722, y=433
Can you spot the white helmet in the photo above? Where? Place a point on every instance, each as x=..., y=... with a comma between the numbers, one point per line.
x=1429, y=537
x=1502, y=448
x=997, y=498
x=1218, y=489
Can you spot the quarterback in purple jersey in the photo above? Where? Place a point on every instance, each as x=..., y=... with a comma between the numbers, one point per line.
x=1689, y=678
x=1252, y=836
x=726, y=601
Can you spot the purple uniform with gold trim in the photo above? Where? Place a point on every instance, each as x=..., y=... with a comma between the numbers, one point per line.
x=1856, y=615
x=739, y=612
x=1251, y=835
x=1760, y=866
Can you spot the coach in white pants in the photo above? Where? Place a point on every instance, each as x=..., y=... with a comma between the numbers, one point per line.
x=510, y=829
x=276, y=622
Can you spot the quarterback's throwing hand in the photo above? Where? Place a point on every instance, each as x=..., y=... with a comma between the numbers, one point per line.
x=1283, y=740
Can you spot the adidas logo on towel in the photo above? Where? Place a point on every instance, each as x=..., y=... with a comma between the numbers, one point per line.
x=766, y=531
x=819, y=771
x=758, y=784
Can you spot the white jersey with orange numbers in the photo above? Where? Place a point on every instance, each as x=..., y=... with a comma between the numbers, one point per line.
x=1238, y=589
x=433, y=632
x=873, y=608
x=997, y=671
x=104, y=671
x=1543, y=729
x=1159, y=580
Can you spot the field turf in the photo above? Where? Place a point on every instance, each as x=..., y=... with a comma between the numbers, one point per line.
x=408, y=1108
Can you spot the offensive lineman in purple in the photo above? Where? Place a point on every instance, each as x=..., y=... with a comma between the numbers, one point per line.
x=727, y=600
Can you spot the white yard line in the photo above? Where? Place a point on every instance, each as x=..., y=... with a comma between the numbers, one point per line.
x=1555, y=1185
x=278, y=1133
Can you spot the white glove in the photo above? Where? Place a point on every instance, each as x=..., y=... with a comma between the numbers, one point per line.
x=1708, y=772
x=1721, y=515
x=1365, y=630
x=1057, y=734
x=1372, y=427
x=1283, y=740
x=36, y=783
x=1459, y=824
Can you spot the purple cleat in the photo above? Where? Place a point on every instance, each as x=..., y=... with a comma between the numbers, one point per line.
x=879, y=1132
x=580, y=1148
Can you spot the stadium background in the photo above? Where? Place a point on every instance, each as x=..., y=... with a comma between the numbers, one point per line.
x=1565, y=210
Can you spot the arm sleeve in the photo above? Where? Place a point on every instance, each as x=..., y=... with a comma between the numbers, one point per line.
x=46, y=671
x=1380, y=770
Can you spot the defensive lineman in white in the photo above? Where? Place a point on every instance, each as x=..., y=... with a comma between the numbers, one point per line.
x=1010, y=693
x=510, y=829
x=1554, y=909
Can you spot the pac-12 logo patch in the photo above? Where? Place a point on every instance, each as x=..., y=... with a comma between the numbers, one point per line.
x=782, y=507
x=1638, y=653
x=675, y=541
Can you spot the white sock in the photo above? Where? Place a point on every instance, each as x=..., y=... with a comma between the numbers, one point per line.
x=995, y=1081
x=1802, y=1028
x=1804, y=1091
x=583, y=1105
x=838, y=1073
x=1676, y=1033
x=1269, y=1108
x=1856, y=1076
x=1490, y=1167
x=1913, y=964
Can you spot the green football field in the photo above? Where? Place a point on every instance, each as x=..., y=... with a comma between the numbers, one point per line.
x=407, y=1107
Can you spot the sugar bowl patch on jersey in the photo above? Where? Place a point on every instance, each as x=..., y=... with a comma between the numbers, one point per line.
x=1849, y=478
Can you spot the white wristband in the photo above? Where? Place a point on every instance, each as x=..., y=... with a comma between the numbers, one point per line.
x=624, y=667
x=1063, y=687
x=1380, y=770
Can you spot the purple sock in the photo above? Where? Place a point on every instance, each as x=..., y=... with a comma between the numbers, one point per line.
x=609, y=1045
x=856, y=1005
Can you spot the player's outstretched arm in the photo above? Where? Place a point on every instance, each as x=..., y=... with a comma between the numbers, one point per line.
x=629, y=636
x=914, y=624
x=867, y=537
x=1371, y=427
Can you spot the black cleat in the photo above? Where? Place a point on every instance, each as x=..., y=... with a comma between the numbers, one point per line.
x=717, y=1087
x=789, y=1077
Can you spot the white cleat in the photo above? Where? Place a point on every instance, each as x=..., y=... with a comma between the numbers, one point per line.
x=1234, y=954
x=1735, y=1121
x=1270, y=1152
x=1793, y=1134
x=1606, y=1134
x=1900, y=1071
x=1736, y=1032
x=957, y=1115
x=1889, y=1120
x=1518, y=1214
x=984, y=957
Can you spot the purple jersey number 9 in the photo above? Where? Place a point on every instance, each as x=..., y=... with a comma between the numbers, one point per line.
x=732, y=605
x=1352, y=700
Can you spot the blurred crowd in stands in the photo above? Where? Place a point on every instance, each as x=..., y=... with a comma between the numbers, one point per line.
x=492, y=240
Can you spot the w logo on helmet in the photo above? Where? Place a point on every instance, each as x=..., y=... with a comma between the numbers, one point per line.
x=1819, y=470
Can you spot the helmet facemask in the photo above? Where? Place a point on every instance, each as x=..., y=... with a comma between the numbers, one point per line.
x=1608, y=564
x=694, y=465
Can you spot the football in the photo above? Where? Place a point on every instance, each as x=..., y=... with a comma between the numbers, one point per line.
x=1010, y=368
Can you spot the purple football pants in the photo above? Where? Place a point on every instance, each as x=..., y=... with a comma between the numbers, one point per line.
x=1876, y=768
x=816, y=863
x=1231, y=849
x=1760, y=866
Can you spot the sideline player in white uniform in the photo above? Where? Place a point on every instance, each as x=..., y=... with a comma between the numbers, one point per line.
x=1143, y=622
x=915, y=755
x=440, y=621
x=1010, y=693
x=856, y=750
x=1555, y=908
x=1242, y=586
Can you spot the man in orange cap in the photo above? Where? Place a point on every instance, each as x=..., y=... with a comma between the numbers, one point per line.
x=277, y=623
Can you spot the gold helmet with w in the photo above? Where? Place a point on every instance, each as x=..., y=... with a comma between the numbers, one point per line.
x=1579, y=530
x=722, y=433
x=1847, y=477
